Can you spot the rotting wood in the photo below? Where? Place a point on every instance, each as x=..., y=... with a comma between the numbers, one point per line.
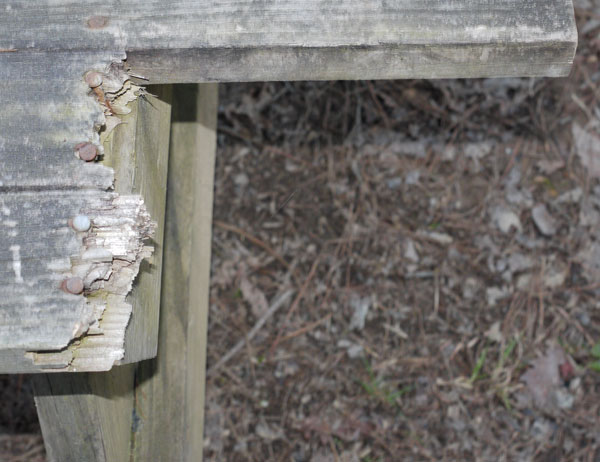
x=110, y=258
x=47, y=114
x=89, y=417
x=239, y=40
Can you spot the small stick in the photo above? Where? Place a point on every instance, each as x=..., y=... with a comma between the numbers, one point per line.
x=278, y=303
x=254, y=240
x=311, y=274
x=511, y=161
x=305, y=329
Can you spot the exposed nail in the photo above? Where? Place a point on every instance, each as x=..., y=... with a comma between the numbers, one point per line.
x=72, y=285
x=93, y=79
x=80, y=223
x=97, y=22
x=86, y=151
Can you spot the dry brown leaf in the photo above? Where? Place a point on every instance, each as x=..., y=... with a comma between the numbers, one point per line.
x=254, y=296
x=588, y=149
x=543, y=379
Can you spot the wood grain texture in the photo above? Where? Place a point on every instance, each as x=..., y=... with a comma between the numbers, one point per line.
x=230, y=40
x=171, y=386
x=47, y=111
x=38, y=318
x=138, y=151
x=86, y=417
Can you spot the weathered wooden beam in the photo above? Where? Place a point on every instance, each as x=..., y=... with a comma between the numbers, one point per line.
x=233, y=40
x=170, y=391
x=89, y=417
x=48, y=117
x=50, y=110
x=138, y=151
x=86, y=417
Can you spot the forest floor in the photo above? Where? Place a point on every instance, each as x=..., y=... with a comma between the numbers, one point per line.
x=437, y=248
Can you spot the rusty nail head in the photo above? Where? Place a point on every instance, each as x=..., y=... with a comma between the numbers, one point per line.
x=73, y=285
x=86, y=151
x=97, y=22
x=93, y=79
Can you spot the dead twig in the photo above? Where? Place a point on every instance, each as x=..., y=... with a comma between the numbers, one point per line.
x=307, y=328
x=276, y=305
x=253, y=239
x=295, y=303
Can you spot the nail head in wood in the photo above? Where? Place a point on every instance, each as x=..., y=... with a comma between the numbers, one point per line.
x=86, y=151
x=81, y=223
x=97, y=22
x=93, y=79
x=73, y=285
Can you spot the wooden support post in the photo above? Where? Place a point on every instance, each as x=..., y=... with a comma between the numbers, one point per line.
x=88, y=417
x=169, y=397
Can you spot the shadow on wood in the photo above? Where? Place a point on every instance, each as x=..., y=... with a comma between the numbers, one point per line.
x=169, y=396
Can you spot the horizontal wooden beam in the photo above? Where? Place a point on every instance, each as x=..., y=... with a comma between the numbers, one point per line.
x=242, y=40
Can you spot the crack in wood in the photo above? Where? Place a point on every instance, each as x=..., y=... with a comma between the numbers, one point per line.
x=110, y=254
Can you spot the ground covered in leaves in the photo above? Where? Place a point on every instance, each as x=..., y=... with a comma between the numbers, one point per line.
x=415, y=266
x=441, y=240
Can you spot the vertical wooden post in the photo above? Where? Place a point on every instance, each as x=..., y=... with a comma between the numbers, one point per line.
x=88, y=417
x=169, y=397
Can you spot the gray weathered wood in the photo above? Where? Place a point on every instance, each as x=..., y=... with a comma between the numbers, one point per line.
x=47, y=46
x=89, y=417
x=170, y=391
x=138, y=151
x=232, y=40
x=86, y=417
x=47, y=111
x=99, y=417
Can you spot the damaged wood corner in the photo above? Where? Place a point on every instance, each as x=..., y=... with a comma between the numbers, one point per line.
x=116, y=243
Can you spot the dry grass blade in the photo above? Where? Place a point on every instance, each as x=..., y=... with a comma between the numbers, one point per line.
x=275, y=306
x=253, y=239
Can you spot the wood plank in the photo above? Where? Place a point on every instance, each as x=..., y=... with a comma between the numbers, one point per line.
x=231, y=40
x=138, y=151
x=37, y=317
x=46, y=112
x=170, y=391
x=48, y=109
x=86, y=417
x=89, y=417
